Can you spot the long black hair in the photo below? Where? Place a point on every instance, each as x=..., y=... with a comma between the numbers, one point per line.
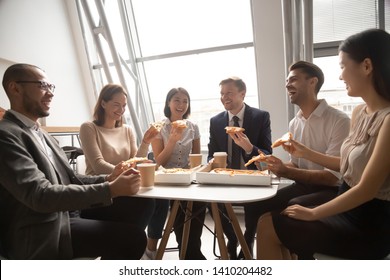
x=375, y=45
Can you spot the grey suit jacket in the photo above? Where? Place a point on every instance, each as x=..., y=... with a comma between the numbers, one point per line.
x=34, y=205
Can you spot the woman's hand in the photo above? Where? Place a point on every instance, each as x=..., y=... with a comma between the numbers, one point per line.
x=118, y=170
x=150, y=134
x=176, y=134
x=300, y=213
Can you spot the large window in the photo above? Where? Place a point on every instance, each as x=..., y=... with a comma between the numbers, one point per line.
x=387, y=15
x=192, y=44
x=194, y=36
x=335, y=20
x=333, y=89
x=171, y=26
x=196, y=43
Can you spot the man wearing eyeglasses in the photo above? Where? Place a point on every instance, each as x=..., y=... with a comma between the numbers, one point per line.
x=38, y=187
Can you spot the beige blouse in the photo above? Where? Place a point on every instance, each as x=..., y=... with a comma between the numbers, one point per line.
x=105, y=147
x=358, y=147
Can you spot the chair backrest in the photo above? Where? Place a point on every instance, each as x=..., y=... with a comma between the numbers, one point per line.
x=72, y=153
x=151, y=156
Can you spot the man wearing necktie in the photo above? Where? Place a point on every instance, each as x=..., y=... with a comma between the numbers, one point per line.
x=240, y=146
x=235, y=161
x=38, y=188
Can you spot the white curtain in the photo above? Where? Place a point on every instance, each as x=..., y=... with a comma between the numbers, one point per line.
x=298, y=34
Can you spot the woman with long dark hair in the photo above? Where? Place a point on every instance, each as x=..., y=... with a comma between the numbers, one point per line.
x=171, y=149
x=107, y=142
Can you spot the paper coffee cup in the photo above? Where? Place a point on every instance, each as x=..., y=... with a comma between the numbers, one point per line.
x=146, y=171
x=220, y=160
x=195, y=160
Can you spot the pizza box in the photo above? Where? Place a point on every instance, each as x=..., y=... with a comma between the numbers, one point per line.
x=205, y=175
x=163, y=176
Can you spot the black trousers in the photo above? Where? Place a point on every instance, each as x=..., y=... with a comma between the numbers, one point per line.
x=107, y=239
x=194, y=240
x=113, y=232
x=297, y=193
x=132, y=210
x=359, y=233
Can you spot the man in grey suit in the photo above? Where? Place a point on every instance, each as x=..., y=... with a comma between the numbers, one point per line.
x=38, y=188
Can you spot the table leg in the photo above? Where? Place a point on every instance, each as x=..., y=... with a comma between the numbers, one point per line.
x=219, y=231
x=238, y=231
x=167, y=230
x=186, y=230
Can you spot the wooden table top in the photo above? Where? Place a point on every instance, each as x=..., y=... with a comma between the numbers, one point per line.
x=62, y=129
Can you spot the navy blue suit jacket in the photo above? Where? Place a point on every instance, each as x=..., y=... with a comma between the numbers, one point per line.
x=257, y=126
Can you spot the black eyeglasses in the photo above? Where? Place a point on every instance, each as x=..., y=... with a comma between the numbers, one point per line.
x=42, y=85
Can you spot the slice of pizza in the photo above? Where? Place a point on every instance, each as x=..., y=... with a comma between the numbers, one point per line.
x=234, y=129
x=179, y=124
x=158, y=125
x=133, y=161
x=284, y=139
x=260, y=157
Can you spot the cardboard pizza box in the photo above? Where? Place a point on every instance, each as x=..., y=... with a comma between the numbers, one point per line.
x=164, y=177
x=205, y=175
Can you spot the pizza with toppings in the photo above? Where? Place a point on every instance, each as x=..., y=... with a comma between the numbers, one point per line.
x=233, y=172
x=284, y=139
x=133, y=161
x=234, y=129
x=179, y=124
x=176, y=170
x=260, y=157
x=158, y=125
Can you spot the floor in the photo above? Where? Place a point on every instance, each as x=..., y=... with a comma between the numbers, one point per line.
x=207, y=240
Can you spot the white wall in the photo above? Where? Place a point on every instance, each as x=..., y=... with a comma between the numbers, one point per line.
x=4, y=103
x=40, y=32
x=270, y=63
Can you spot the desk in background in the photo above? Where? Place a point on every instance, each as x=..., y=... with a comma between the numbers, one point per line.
x=214, y=194
x=66, y=131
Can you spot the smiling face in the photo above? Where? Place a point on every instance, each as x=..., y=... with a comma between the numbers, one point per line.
x=354, y=75
x=115, y=107
x=30, y=99
x=299, y=86
x=178, y=106
x=232, y=98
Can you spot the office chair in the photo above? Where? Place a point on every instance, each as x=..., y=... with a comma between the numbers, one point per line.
x=72, y=153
